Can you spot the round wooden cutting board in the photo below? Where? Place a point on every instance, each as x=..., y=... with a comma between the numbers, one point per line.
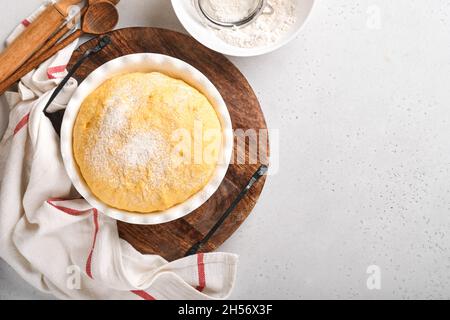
x=171, y=240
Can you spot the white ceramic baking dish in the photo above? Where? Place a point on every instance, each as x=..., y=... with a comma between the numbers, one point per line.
x=147, y=62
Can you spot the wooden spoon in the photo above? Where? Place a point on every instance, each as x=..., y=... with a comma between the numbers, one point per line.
x=64, y=30
x=100, y=17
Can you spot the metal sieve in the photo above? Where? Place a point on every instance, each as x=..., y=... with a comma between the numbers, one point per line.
x=249, y=12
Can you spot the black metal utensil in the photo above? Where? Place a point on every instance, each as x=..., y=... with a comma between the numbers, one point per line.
x=57, y=117
x=258, y=175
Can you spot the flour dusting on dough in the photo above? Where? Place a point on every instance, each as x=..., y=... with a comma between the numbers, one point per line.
x=123, y=141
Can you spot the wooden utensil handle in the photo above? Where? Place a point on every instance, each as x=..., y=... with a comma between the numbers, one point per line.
x=56, y=37
x=29, y=41
x=49, y=44
x=114, y=2
x=22, y=71
x=63, y=5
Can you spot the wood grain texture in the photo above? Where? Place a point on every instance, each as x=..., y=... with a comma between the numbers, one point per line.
x=173, y=239
x=33, y=63
x=48, y=50
x=29, y=41
x=63, y=5
x=63, y=31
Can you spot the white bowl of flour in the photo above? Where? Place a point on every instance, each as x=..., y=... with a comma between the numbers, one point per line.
x=268, y=33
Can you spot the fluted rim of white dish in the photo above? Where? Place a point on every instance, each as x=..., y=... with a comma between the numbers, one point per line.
x=147, y=62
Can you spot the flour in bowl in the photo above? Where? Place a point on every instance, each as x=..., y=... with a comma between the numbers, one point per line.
x=229, y=10
x=267, y=29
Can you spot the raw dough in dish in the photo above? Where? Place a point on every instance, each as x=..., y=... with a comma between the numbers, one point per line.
x=134, y=142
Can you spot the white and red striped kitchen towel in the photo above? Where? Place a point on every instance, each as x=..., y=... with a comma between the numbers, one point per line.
x=56, y=241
